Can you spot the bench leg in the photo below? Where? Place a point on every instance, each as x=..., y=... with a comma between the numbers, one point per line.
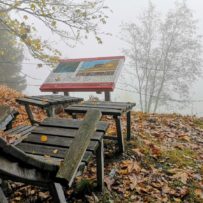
x=74, y=115
x=128, y=125
x=9, y=126
x=50, y=111
x=119, y=134
x=100, y=166
x=57, y=193
x=29, y=113
x=3, y=198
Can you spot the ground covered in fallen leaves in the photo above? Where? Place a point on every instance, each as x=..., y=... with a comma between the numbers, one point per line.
x=162, y=163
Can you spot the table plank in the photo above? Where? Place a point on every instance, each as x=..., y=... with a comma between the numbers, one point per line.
x=56, y=141
x=104, y=111
x=130, y=104
x=32, y=102
x=70, y=123
x=101, y=106
x=62, y=132
x=36, y=149
x=55, y=99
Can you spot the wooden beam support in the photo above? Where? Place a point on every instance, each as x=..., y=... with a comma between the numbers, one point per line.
x=128, y=125
x=100, y=166
x=57, y=193
x=107, y=96
x=119, y=134
x=66, y=94
x=2, y=197
x=29, y=113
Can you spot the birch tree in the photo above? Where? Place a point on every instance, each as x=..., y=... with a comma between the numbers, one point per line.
x=164, y=55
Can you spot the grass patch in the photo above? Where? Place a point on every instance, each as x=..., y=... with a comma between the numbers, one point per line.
x=198, y=123
x=181, y=157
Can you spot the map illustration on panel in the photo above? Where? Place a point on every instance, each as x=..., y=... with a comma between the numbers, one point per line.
x=96, y=68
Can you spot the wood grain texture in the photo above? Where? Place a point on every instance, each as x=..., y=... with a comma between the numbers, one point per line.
x=71, y=124
x=104, y=111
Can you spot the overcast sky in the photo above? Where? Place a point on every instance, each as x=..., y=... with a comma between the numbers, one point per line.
x=123, y=11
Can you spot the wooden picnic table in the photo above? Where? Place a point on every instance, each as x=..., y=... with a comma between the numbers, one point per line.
x=46, y=102
x=115, y=109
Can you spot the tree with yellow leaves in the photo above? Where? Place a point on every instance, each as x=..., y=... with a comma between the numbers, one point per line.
x=71, y=20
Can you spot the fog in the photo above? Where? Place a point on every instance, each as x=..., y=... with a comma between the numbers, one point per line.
x=123, y=11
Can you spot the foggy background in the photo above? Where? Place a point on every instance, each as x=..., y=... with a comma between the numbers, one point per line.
x=123, y=11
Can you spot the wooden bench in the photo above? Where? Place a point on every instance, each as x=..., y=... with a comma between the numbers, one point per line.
x=55, y=161
x=47, y=102
x=114, y=109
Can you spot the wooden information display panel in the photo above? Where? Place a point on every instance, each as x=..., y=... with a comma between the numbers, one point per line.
x=84, y=74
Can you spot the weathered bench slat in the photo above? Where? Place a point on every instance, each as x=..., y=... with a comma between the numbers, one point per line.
x=56, y=141
x=18, y=173
x=20, y=156
x=26, y=131
x=77, y=150
x=74, y=124
x=123, y=108
x=32, y=101
x=59, y=132
x=45, y=99
x=57, y=160
x=110, y=103
x=14, y=129
x=104, y=111
x=56, y=99
x=56, y=152
x=18, y=130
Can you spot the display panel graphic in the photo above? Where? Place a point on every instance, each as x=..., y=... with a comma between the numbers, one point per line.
x=95, y=68
x=84, y=74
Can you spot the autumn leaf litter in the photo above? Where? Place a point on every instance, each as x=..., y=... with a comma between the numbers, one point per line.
x=162, y=163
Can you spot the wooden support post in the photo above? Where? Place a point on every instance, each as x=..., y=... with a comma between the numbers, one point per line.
x=100, y=166
x=29, y=113
x=66, y=94
x=3, y=198
x=9, y=126
x=50, y=111
x=128, y=125
x=107, y=96
x=57, y=193
x=74, y=115
x=119, y=134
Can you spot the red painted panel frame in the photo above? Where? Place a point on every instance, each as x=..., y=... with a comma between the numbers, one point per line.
x=73, y=87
